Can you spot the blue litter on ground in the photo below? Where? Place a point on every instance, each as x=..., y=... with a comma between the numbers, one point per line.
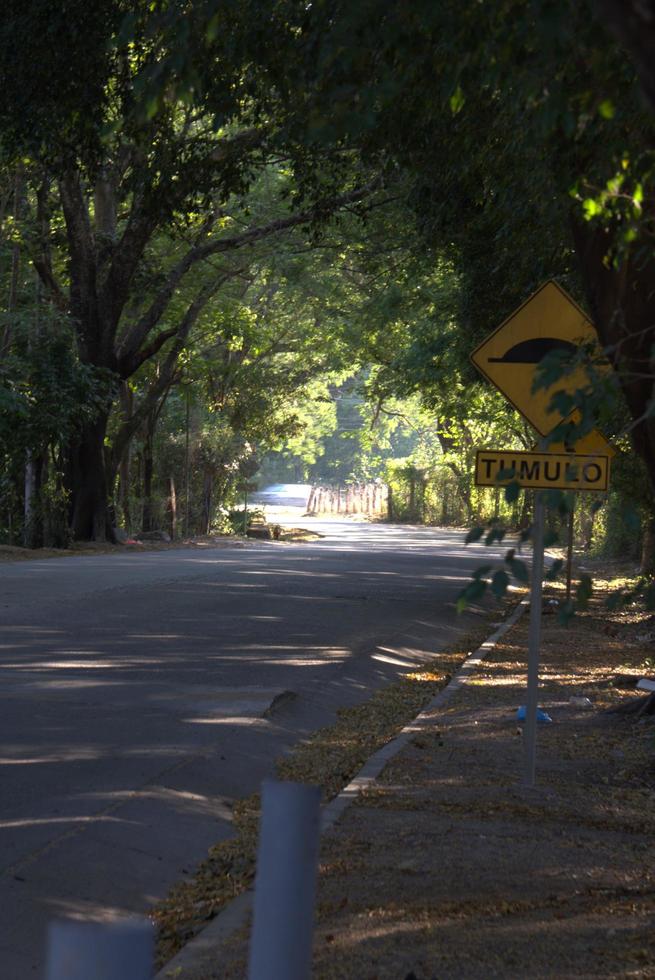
x=542, y=716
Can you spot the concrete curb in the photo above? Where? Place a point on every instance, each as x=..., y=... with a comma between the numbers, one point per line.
x=194, y=955
x=374, y=766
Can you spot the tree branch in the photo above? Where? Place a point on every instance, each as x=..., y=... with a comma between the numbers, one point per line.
x=633, y=23
x=142, y=222
x=82, y=253
x=283, y=224
x=128, y=251
x=246, y=140
x=128, y=366
x=167, y=371
x=137, y=333
x=42, y=260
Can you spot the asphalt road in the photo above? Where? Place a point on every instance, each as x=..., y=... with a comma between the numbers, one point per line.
x=135, y=687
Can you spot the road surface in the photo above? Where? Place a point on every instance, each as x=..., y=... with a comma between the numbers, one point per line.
x=135, y=687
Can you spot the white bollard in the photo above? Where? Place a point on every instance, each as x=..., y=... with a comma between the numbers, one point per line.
x=120, y=950
x=285, y=884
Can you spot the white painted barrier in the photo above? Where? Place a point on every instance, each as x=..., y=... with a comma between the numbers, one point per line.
x=285, y=883
x=96, y=951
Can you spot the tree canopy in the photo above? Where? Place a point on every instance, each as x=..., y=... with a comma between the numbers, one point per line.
x=236, y=209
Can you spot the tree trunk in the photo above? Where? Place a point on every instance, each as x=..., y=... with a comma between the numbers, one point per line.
x=527, y=500
x=444, y=503
x=172, y=508
x=148, y=468
x=648, y=547
x=207, y=502
x=187, y=466
x=124, y=467
x=33, y=533
x=588, y=520
x=124, y=490
x=622, y=303
x=633, y=23
x=15, y=263
x=465, y=495
x=88, y=485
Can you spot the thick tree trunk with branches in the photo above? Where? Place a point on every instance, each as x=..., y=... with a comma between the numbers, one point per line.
x=622, y=306
x=448, y=445
x=90, y=520
x=103, y=261
x=127, y=403
x=633, y=23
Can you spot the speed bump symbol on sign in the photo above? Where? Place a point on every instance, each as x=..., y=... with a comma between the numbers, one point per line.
x=548, y=321
x=542, y=471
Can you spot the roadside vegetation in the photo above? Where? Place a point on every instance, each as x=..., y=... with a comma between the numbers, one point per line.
x=259, y=242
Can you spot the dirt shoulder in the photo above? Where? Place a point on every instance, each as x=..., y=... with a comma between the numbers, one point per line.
x=448, y=868
x=201, y=542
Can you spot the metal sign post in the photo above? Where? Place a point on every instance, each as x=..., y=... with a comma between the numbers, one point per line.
x=569, y=550
x=549, y=321
x=534, y=636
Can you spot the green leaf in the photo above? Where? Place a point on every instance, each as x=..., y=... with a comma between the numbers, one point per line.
x=554, y=570
x=591, y=208
x=512, y=491
x=474, y=590
x=606, y=109
x=566, y=612
x=583, y=592
x=482, y=571
x=457, y=100
x=519, y=570
x=499, y=583
x=495, y=534
x=551, y=537
x=555, y=500
x=631, y=519
x=474, y=535
x=616, y=600
x=211, y=31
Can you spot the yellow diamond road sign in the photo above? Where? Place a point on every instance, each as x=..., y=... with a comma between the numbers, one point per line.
x=550, y=320
x=593, y=444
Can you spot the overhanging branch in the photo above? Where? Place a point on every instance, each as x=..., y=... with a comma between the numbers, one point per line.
x=167, y=371
x=137, y=334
